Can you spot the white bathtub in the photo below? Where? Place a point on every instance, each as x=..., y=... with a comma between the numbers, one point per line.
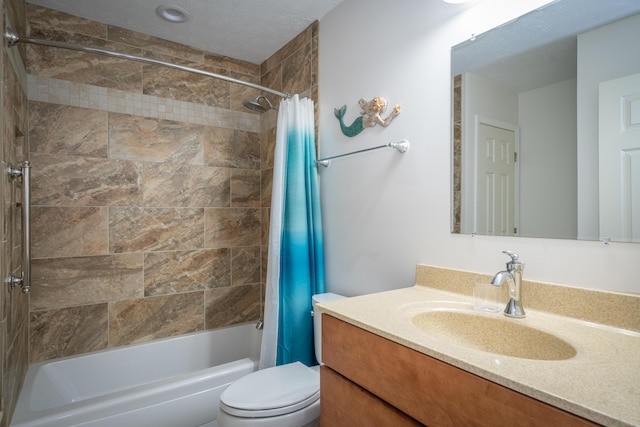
x=175, y=382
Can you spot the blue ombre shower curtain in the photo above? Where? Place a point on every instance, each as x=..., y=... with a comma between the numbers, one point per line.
x=295, y=267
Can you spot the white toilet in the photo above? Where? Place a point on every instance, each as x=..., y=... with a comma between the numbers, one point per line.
x=282, y=396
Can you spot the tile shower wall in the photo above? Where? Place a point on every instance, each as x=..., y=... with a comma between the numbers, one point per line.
x=14, y=305
x=457, y=154
x=151, y=186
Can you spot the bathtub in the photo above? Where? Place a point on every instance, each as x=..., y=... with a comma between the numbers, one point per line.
x=174, y=382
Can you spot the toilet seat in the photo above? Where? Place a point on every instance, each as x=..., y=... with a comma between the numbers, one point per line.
x=271, y=392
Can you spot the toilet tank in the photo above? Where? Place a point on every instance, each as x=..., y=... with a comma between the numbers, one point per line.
x=317, y=322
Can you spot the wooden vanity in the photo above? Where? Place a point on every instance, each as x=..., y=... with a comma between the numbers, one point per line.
x=385, y=367
x=368, y=380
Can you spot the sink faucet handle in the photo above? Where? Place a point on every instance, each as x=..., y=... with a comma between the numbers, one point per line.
x=515, y=263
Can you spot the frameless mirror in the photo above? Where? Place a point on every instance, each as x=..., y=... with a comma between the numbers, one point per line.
x=546, y=124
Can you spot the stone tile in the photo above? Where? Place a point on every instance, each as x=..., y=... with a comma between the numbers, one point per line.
x=185, y=86
x=266, y=219
x=9, y=115
x=296, y=71
x=68, y=331
x=272, y=79
x=4, y=296
x=172, y=184
x=267, y=148
x=239, y=93
x=84, y=181
x=82, y=67
x=232, y=227
x=16, y=14
x=266, y=184
x=248, y=69
x=245, y=265
x=315, y=58
x=287, y=50
x=185, y=271
x=231, y=306
x=232, y=148
x=155, y=140
x=14, y=306
x=147, y=319
x=59, y=129
x=69, y=231
x=16, y=363
x=154, y=44
x=45, y=18
x=155, y=229
x=17, y=311
x=9, y=213
x=65, y=282
x=265, y=264
x=245, y=188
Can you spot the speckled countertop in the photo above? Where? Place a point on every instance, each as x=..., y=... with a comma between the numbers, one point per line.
x=600, y=383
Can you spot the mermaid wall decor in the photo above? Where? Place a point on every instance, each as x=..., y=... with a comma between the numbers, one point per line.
x=369, y=116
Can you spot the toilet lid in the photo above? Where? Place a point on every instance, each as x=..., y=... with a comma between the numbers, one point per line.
x=272, y=391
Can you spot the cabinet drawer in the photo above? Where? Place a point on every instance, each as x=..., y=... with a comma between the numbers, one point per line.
x=346, y=404
x=433, y=392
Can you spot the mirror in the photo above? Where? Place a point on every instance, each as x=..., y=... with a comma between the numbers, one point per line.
x=535, y=101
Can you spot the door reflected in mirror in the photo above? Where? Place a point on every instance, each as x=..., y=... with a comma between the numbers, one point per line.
x=535, y=102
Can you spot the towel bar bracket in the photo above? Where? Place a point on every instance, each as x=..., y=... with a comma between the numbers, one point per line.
x=13, y=172
x=13, y=281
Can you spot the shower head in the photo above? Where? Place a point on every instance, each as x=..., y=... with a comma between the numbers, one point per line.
x=256, y=105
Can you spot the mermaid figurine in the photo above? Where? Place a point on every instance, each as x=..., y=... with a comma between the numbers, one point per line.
x=369, y=116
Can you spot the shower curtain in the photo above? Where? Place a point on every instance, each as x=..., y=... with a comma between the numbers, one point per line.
x=295, y=267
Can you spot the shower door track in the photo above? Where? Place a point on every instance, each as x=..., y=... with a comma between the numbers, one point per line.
x=13, y=38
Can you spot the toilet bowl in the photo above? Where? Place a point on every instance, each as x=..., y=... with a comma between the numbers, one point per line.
x=281, y=396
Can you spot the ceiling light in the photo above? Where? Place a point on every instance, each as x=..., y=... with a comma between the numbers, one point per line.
x=455, y=1
x=172, y=13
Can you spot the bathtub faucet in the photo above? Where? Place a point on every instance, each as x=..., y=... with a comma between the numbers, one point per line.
x=513, y=276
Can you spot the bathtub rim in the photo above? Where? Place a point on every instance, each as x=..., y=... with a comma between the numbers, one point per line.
x=23, y=408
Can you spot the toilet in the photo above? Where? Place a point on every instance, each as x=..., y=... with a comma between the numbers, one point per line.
x=282, y=396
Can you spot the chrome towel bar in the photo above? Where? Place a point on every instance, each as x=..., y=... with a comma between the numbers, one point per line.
x=24, y=280
x=402, y=146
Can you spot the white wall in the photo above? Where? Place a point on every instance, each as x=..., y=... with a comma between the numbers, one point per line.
x=384, y=212
x=548, y=183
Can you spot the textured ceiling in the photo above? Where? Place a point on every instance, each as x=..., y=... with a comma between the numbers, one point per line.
x=539, y=48
x=251, y=30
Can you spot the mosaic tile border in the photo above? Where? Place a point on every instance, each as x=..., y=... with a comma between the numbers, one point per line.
x=64, y=92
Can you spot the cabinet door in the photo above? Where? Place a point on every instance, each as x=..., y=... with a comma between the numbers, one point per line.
x=428, y=390
x=344, y=403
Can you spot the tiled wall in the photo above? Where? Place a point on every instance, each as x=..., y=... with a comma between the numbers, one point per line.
x=457, y=153
x=151, y=186
x=14, y=305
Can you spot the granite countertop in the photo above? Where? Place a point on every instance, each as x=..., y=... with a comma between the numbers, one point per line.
x=600, y=383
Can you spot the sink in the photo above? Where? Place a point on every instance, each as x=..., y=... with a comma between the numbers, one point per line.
x=497, y=335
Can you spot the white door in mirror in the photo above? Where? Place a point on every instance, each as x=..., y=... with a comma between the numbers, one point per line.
x=619, y=152
x=495, y=175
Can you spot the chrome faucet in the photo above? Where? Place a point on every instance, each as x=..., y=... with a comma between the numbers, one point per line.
x=513, y=276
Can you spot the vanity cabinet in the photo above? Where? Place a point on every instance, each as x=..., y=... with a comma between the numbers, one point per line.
x=369, y=380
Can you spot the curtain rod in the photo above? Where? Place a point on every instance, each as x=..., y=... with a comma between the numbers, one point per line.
x=402, y=146
x=13, y=38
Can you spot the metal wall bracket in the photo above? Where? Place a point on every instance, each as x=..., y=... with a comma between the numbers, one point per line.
x=13, y=281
